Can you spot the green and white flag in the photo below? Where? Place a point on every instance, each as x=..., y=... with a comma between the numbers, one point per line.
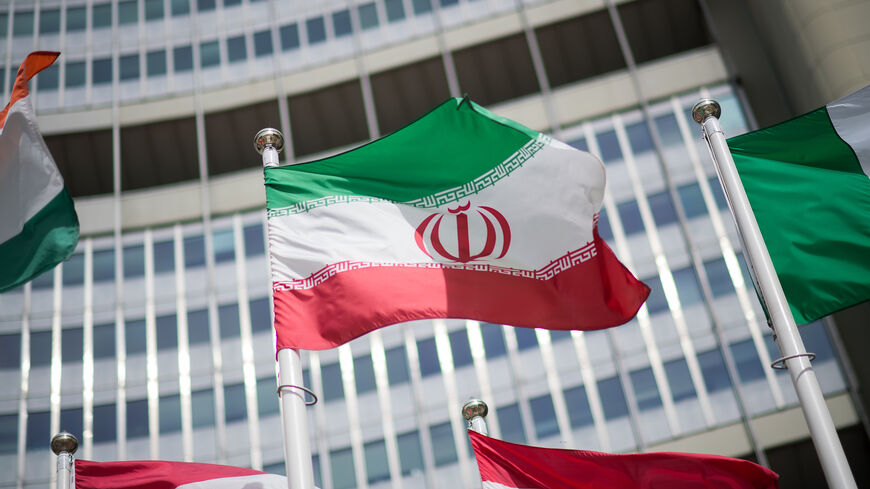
x=808, y=181
x=38, y=223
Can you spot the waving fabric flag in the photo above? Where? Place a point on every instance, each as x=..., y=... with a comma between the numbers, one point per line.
x=506, y=465
x=808, y=181
x=461, y=214
x=38, y=223
x=153, y=474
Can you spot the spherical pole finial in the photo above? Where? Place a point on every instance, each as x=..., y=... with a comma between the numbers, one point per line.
x=269, y=137
x=64, y=442
x=474, y=408
x=704, y=109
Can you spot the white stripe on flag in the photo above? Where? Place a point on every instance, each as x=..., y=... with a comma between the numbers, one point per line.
x=850, y=116
x=259, y=481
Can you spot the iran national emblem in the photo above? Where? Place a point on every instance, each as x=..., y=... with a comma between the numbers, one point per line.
x=464, y=234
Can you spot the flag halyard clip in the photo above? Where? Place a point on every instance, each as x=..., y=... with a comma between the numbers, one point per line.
x=779, y=363
x=306, y=390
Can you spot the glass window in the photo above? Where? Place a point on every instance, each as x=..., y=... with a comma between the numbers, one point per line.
x=4, y=22
x=447, y=3
x=816, y=339
x=153, y=9
x=180, y=7
x=744, y=269
x=137, y=418
x=45, y=280
x=612, y=398
x=38, y=430
x=679, y=379
x=746, y=360
x=128, y=12
x=167, y=332
x=134, y=336
x=164, y=256
x=197, y=327
x=410, y=452
x=645, y=390
x=230, y=3
x=692, y=200
x=205, y=5
x=315, y=462
x=656, y=302
x=422, y=6
x=49, y=21
x=40, y=348
x=662, y=209
x=316, y=30
x=428, y=354
x=156, y=63
x=395, y=10
x=639, y=137
x=460, y=348
x=263, y=43
x=377, y=467
x=364, y=374
x=511, y=422
x=8, y=431
x=289, y=37
x=669, y=130
x=75, y=74
x=71, y=421
x=169, y=409
x=331, y=378
x=228, y=319
x=104, y=341
x=342, y=469
x=443, y=446
x=10, y=345
x=76, y=19
x=559, y=335
x=261, y=320
x=687, y=286
x=629, y=214
x=254, y=245
x=134, y=261
x=397, y=365
x=608, y=144
x=719, y=278
x=526, y=338
x=604, y=229
x=71, y=345
x=580, y=144
x=773, y=351
x=104, y=430
x=202, y=407
x=577, y=403
x=209, y=54
x=104, y=265
x=194, y=251
x=341, y=23
x=49, y=78
x=101, y=71
x=74, y=269
x=368, y=16
x=234, y=402
x=493, y=340
x=129, y=67
x=714, y=371
x=718, y=193
x=101, y=16
x=23, y=24
x=545, y=416
x=183, y=58
x=236, y=50
x=267, y=396
x=222, y=240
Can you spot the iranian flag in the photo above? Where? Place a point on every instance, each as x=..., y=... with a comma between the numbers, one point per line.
x=38, y=223
x=808, y=182
x=156, y=474
x=461, y=214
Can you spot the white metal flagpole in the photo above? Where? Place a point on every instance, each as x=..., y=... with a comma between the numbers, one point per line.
x=794, y=354
x=64, y=445
x=291, y=391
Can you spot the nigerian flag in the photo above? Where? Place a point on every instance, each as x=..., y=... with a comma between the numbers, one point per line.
x=461, y=214
x=38, y=223
x=808, y=181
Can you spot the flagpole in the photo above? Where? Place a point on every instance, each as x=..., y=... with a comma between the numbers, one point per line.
x=795, y=357
x=291, y=389
x=474, y=411
x=64, y=445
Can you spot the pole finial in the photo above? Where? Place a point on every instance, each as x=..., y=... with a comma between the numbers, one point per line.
x=704, y=109
x=64, y=442
x=269, y=137
x=474, y=408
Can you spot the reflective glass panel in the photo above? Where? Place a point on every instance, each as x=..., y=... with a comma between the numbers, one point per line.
x=105, y=429
x=49, y=21
x=128, y=12
x=129, y=67
x=460, y=348
x=169, y=408
x=104, y=265
x=134, y=336
x=23, y=23
x=687, y=286
x=719, y=278
x=194, y=251
x=608, y=144
x=263, y=43
x=40, y=348
x=443, y=446
x=74, y=269
x=714, y=371
x=197, y=327
x=261, y=320
x=579, y=412
x=104, y=341
x=228, y=318
x=167, y=332
x=639, y=137
x=10, y=345
x=342, y=469
x=511, y=423
x=612, y=398
x=164, y=256
x=71, y=421
x=395, y=10
x=49, y=78
x=662, y=208
x=76, y=19
x=410, y=452
x=422, y=6
x=38, y=430
x=364, y=374
x=692, y=200
x=332, y=385
x=236, y=50
x=8, y=432
x=341, y=23
x=209, y=54
x=629, y=214
x=428, y=354
x=183, y=58
x=377, y=467
x=267, y=397
x=397, y=365
x=316, y=30
x=180, y=7
x=222, y=240
x=289, y=36
x=234, y=402
x=679, y=379
x=746, y=360
x=153, y=9
x=645, y=390
x=71, y=343
x=254, y=245
x=368, y=16
x=202, y=407
x=137, y=418
x=656, y=302
x=493, y=340
x=545, y=416
x=75, y=74
x=101, y=15
x=134, y=261
x=156, y=63
x=526, y=338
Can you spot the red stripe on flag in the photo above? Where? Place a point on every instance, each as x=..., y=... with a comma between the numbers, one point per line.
x=150, y=474
x=594, y=294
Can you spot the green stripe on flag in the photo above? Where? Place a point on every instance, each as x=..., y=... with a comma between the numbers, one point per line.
x=446, y=148
x=48, y=238
x=812, y=203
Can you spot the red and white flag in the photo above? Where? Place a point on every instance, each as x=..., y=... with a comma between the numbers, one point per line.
x=155, y=474
x=508, y=465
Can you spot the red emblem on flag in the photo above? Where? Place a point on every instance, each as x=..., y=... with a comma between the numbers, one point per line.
x=467, y=226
